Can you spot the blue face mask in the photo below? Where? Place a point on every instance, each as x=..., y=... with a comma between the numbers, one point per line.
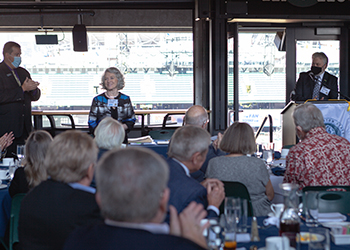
x=16, y=61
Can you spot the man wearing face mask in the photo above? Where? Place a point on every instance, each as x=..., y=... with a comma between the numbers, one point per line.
x=17, y=91
x=316, y=83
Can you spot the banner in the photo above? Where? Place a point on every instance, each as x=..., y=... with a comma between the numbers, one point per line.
x=336, y=118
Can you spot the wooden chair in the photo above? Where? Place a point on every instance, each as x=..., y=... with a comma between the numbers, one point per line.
x=237, y=189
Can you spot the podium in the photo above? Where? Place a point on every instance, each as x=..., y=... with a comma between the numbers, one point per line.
x=336, y=116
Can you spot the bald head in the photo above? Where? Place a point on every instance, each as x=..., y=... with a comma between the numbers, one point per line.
x=197, y=116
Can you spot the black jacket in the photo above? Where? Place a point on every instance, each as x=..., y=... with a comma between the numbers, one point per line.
x=305, y=87
x=15, y=105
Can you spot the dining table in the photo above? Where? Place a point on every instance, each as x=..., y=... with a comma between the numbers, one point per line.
x=5, y=209
x=271, y=230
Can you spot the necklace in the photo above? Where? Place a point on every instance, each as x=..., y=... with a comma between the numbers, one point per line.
x=110, y=96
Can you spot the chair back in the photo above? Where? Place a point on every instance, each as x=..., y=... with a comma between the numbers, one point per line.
x=15, y=207
x=332, y=201
x=326, y=188
x=237, y=189
x=164, y=134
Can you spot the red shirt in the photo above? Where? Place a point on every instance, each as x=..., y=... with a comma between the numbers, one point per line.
x=321, y=159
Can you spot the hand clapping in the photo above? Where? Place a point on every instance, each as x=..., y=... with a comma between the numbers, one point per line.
x=6, y=140
x=29, y=84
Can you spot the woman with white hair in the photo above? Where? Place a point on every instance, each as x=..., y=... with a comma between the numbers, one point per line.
x=112, y=103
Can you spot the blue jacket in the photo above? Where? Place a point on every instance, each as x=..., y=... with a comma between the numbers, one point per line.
x=185, y=189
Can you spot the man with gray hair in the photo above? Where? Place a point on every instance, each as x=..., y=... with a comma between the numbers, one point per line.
x=54, y=208
x=320, y=159
x=109, y=134
x=316, y=83
x=187, y=152
x=198, y=116
x=133, y=196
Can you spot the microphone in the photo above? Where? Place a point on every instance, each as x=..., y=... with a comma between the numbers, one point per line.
x=312, y=75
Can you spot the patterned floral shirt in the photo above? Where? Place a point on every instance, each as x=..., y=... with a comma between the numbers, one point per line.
x=123, y=112
x=321, y=159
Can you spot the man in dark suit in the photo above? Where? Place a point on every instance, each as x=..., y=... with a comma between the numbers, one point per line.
x=198, y=116
x=17, y=91
x=57, y=206
x=316, y=83
x=133, y=196
x=187, y=152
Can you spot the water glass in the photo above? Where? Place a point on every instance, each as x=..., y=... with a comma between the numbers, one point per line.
x=232, y=212
x=243, y=217
x=310, y=206
x=20, y=152
x=319, y=239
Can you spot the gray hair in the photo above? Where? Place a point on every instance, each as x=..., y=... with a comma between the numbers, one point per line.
x=196, y=115
x=118, y=75
x=109, y=133
x=70, y=155
x=320, y=55
x=130, y=183
x=188, y=140
x=308, y=116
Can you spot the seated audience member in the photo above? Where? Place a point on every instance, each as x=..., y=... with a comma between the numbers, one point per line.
x=34, y=170
x=135, y=206
x=109, y=134
x=187, y=152
x=198, y=116
x=54, y=208
x=5, y=141
x=239, y=141
x=319, y=159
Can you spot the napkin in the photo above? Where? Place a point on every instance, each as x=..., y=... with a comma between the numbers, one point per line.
x=272, y=221
x=278, y=171
x=326, y=217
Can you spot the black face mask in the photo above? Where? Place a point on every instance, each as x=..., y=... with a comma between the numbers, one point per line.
x=316, y=70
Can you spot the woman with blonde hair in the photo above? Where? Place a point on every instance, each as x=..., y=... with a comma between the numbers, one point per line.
x=239, y=141
x=34, y=171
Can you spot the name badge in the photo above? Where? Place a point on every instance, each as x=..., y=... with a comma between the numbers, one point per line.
x=112, y=103
x=325, y=90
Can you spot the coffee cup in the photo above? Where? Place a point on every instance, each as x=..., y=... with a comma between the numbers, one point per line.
x=7, y=161
x=284, y=152
x=277, y=243
x=277, y=209
x=4, y=174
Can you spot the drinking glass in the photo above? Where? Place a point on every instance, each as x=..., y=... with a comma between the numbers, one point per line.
x=232, y=212
x=20, y=152
x=243, y=217
x=310, y=206
x=319, y=239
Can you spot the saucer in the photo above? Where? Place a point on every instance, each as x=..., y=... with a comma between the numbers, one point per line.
x=264, y=248
x=7, y=178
